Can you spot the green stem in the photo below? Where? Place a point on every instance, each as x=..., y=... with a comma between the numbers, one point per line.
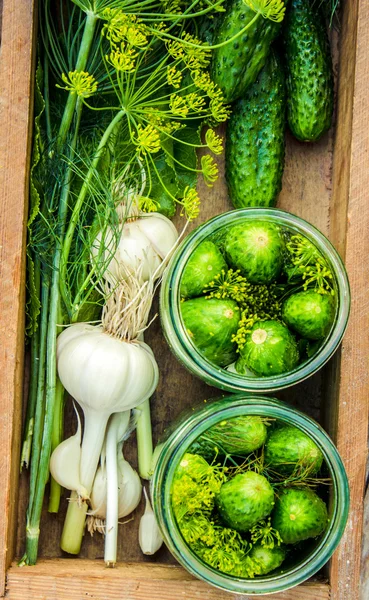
x=78, y=205
x=56, y=439
x=81, y=63
x=220, y=45
x=54, y=319
x=76, y=516
x=40, y=398
x=144, y=440
x=32, y=395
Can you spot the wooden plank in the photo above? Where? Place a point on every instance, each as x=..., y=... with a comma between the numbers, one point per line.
x=15, y=105
x=350, y=232
x=64, y=579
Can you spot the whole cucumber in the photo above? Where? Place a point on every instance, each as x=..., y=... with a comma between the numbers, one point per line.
x=309, y=75
x=255, y=140
x=236, y=65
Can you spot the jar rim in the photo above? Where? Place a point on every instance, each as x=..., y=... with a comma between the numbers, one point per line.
x=187, y=353
x=177, y=444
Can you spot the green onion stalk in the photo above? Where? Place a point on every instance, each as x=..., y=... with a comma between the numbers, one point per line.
x=127, y=73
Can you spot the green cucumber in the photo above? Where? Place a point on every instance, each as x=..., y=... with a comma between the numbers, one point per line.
x=205, y=262
x=211, y=323
x=238, y=436
x=255, y=140
x=244, y=500
x=309, y=75
x=270, y=349
x=268, y=559
x=256, y=249
x=309, y=314
x=299, y=515
x=236, y=65
x=288, y=448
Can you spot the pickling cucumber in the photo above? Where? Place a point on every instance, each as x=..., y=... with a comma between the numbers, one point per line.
x=309, y=75
x=255, y=140
x=236, y=65
x=211, y=323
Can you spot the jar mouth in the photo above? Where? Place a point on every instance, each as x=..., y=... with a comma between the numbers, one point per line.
x=178, y=443
x=186, y=351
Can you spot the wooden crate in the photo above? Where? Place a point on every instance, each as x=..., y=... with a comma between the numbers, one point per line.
x=326, y=183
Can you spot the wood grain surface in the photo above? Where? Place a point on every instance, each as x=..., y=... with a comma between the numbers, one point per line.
x=327, y=184
x=78, y=580
x=349, y=230
x=16, y=68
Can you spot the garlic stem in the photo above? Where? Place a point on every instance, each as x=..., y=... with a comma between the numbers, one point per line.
x=111, y=522
x=144, y=440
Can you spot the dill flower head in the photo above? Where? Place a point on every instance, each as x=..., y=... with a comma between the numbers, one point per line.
x=264, y=533
x=79, y=82
x=274, y=10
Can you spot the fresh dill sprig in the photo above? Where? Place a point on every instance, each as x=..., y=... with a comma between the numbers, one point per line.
x=265, y=534
x=305, y=262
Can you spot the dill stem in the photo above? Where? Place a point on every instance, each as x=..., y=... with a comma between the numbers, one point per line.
x=144, y=440
x=56, y=439
x=32, y=394
x=215, y=46
x=40, y=397
x=84, y=51
x=44, y=448
x=78, y=205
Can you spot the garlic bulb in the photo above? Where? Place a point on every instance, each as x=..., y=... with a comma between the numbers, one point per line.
x=149, y=536
x=104, y=375
x=144, y=242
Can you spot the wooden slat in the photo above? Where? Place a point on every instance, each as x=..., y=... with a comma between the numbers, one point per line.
x=64, y=579
x=350, y=232
x=15, y=104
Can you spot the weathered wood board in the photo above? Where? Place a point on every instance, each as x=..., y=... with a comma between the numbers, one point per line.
x=327, y=184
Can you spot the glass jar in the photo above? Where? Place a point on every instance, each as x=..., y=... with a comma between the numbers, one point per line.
x=175, y=331
x=180, y=438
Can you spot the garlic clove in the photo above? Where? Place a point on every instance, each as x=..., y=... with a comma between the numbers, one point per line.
x=65, y=463
x=129, y=488
x=149, y=536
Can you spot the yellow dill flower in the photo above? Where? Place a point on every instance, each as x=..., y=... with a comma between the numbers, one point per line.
x=190, y=203
x=174, y=77
x=209, y=169
x=147, y=139
x=195, y=58
x=123, y=59
x=214, y=141
x=171, y=7
x=219, y=110
x=147, y=204
x=80, y=83
x=175, y=49
x=202, y=80
x=171, y=126
x=178, y=106
x=195, y=102
x=121, y=27
x=273, y=10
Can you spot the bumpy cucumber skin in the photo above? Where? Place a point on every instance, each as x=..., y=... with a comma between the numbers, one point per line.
x=210, y=323
x=268, y=559
x=240, y=436
x=201, y=268
x=275, y=355
x=236, y=65
x=309, y=75
x=288, y=448
x=299, y=514
x=244, y=500
x=309, y=314
x=255, y=142
x=256, y=249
